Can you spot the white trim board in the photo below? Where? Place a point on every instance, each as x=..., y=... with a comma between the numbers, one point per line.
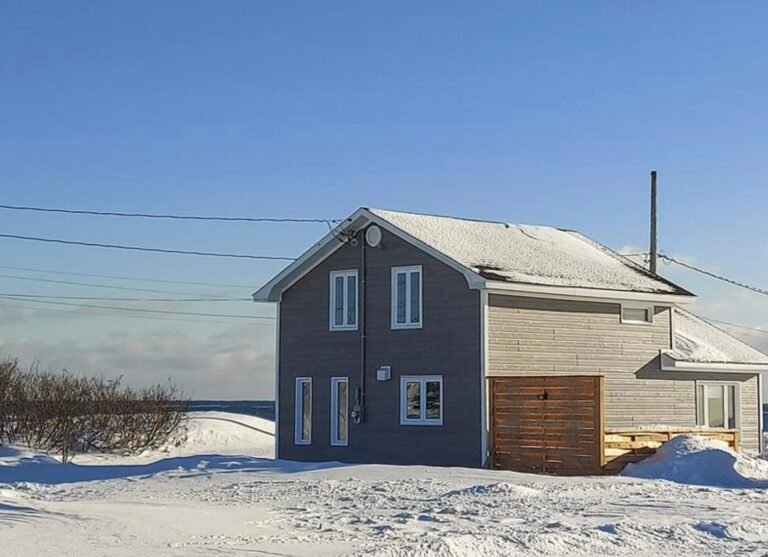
x=670, y=364
x=272, y=291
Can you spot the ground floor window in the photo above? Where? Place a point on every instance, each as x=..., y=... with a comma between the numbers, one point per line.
x=303, y=405
x=421, y=400
x=717, y=404
x=339, y=411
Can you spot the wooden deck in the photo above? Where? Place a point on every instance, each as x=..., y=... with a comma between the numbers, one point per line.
x=623, y=446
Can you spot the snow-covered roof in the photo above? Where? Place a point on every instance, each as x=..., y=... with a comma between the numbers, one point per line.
x=697, y=340
x=538, y=255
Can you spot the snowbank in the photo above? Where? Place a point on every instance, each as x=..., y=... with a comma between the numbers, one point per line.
x=223, y=433
x=206, y=442
x=698, y=460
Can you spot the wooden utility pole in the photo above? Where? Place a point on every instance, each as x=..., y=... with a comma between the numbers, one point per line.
x=654, y=247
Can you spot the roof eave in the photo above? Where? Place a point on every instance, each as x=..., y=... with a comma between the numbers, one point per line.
x=273, y=290
x=571, y=292
x=670, y=363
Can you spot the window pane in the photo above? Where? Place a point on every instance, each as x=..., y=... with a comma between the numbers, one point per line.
x=306, y=410
x=415, y=300
x=433, y=400
x=700, y=405
x=636, y=314
x=351, y=300
x=716, y=405
x=341, y=415
x=413, y=400
x=338, y=308
x=400, y=301
x=731, y=406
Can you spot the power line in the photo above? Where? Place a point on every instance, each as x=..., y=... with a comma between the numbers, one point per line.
x=714, y=275
x=164, y=215
x=98, y=313
x=145, y=249
x=108, y=299
x=142, y=310
x=96, y=285
x=738, y=326
x=122, y=277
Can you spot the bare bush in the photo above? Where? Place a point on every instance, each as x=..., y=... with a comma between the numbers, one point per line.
x=67, y=414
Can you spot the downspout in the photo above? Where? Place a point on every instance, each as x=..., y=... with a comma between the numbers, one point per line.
x=363, y=281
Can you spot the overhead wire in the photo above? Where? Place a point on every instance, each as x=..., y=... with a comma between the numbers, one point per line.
x=123, y=277
x=164, y=215
x=145, y=249
x=144, y=310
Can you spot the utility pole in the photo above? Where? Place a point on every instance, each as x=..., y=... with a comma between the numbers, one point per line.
x=654, y=247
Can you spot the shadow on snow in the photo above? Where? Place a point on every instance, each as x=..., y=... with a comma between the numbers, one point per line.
x=43, y=469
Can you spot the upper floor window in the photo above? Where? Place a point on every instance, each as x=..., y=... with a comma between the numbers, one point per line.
x=343, y=310
x=406, y=297
x=636, y=313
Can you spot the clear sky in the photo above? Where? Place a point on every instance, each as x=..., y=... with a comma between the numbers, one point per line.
x=534, y=112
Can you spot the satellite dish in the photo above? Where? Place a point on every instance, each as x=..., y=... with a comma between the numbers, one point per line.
x=373, y=236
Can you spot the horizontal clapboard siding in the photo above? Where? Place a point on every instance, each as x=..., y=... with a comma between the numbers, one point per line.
x=531, y=336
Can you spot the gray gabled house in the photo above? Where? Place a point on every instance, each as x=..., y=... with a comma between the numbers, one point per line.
x=395, y=327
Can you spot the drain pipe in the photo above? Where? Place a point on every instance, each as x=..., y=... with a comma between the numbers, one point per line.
x=363, y=339
x=358, y=412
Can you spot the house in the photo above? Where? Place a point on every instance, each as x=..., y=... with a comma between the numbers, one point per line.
x=417, y=339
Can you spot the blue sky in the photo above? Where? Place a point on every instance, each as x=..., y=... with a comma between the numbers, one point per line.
x=546, y=113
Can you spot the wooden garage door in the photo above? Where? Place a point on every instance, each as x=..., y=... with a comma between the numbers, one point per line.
x=547, y=424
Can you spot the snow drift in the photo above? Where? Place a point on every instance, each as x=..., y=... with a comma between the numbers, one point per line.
x=692, y=459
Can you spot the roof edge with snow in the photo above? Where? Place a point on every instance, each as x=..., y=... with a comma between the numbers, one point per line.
x=476, y=277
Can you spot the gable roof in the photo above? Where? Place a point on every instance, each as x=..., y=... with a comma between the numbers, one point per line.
x=698, y=341
x=496, y=255
x=539, y=255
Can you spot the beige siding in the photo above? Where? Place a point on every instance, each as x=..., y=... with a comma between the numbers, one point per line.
x=530, y=336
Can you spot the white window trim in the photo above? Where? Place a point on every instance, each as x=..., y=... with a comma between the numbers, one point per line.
x=335, y=441
x=423, y=379
x=649, y=307
x=705, y=410
x=298, y=406
x=332, y=300
x=393, y=310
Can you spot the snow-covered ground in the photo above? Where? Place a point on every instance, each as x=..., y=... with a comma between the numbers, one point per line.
x=201, y=496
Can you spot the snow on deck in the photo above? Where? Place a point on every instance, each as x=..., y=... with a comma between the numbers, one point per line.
x=697, y=340
x=528, y=254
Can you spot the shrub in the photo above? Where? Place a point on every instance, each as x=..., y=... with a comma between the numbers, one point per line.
x=67, y=414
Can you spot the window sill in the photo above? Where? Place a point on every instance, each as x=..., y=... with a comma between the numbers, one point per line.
x=334, y=329
x=422, y=422
x=406, y=327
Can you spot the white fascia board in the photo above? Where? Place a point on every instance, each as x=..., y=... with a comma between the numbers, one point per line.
x=272, y=291
x=585, y=294
x=474, y=281
x=668, y=363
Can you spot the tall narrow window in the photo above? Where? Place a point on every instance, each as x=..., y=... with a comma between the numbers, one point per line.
x=421, y=400
x=339, y=411
x=717, y=404
x=303, y=416
x=406, y=297
x=343, y=307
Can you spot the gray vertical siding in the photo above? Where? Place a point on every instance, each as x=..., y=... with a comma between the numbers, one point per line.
x=529, y=336
x=448, y=345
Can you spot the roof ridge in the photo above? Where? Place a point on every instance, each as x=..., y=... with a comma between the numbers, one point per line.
x=468, y=219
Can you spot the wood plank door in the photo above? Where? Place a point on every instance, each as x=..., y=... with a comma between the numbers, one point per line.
x=547, y=424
